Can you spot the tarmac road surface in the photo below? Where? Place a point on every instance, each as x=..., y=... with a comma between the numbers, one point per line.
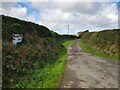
x=82, y=70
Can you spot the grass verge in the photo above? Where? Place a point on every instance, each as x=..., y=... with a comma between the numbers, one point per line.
x=88, y=49
x=67, y=43
x=46, y=77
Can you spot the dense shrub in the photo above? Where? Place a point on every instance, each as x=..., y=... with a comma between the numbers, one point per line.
x=106, y=41
x=40, y=47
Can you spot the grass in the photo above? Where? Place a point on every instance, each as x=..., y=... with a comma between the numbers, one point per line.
x=67, y=43
x=46, y=77
x=93, y=51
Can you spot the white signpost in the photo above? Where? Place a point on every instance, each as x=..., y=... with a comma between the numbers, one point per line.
x=17, y=38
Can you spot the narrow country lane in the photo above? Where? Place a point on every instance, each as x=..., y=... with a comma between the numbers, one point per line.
x=82, y=70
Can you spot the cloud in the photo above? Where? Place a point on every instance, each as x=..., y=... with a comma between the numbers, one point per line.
x=79, y=15
x=59, y=0
x=18, y=11
x=57, y=15
x=30, y=18
x=15, y=10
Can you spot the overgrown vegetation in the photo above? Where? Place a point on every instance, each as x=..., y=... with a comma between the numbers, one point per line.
x=46, y=77
x=94, y=52
x=0, y=63
x=104, y=43
x=37, y=61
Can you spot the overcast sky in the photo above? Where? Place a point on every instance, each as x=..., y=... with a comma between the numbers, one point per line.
x=81, y=16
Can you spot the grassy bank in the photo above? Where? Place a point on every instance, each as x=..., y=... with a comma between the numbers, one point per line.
x=46, y=77
x=43, y=78
x=102, y=43
x=89, y=49
x=36, y=61
x=67, y=43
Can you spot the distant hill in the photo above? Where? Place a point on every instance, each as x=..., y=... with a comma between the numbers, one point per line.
x=107, y=41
